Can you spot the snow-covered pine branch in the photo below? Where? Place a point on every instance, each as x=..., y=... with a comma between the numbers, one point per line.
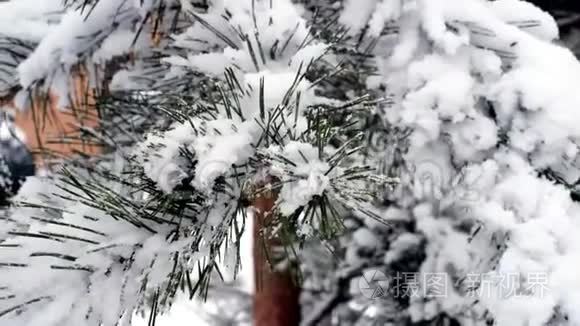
x=485, y=99
x=490, y=102
x=89, y=34
x=496, y=123
x=96, y=242
x=23, y=25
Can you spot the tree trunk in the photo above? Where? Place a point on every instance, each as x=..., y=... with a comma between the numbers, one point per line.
x=46, y=125
x=276, y=298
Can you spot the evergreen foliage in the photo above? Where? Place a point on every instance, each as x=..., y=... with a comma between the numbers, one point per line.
x=404, y=137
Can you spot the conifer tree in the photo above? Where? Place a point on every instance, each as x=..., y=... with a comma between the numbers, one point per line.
x=159, y=206
x=433, y=143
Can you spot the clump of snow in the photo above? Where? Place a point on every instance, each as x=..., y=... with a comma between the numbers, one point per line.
x=308, y=178
x=489, y=101
x=471, y=79
x=29, y=20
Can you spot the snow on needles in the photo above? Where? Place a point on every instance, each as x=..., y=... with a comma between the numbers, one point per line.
x=490, y=103
x=29, y=20
x=75, y=39
x=499, y=101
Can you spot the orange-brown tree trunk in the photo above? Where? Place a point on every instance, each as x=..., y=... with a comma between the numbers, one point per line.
x=52, y=132
x=276, y=298
x=45, y=125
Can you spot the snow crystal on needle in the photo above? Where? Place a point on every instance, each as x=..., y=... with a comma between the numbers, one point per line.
x=308, y=177
x=220, y=149
x=159, y=156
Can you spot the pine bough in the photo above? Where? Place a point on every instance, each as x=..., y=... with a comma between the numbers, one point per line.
x=247, y=91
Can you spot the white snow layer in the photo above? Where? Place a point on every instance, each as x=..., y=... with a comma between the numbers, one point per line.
x=491, y=102
x=498, y=56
